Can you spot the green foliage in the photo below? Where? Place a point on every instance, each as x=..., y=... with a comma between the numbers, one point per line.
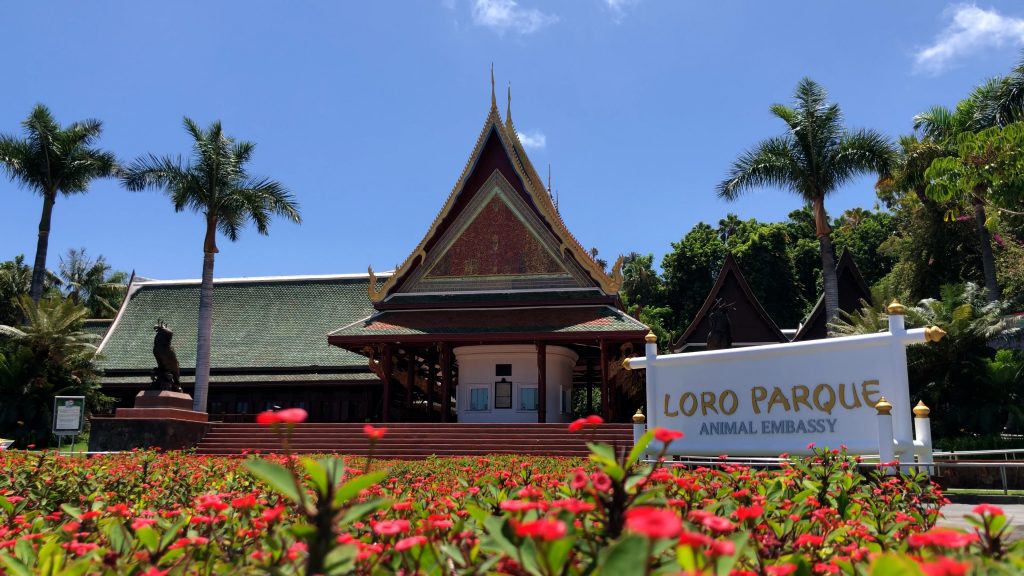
x=991, y=160
x=47, y=357
x=973, y=387
x=91, y=283
x=690, y=270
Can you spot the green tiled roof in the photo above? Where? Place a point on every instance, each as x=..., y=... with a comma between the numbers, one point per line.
x=552, y=320
x=97, y=327
x=187, y=380
x=257, y=324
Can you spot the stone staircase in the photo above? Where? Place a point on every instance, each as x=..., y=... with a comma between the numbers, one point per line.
x=412, y=441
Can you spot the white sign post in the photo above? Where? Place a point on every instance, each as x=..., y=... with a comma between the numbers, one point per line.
x=68, y=417
x=779, y=398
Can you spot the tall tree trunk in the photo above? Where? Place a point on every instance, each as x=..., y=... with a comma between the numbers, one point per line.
x=42, y=244
x=988, y=261
x=829, y=279
x=200, y=394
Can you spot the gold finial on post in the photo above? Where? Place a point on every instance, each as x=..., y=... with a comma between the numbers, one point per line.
x=933, y=334
x=651, y=338
x=494, y=101
x=883, y=407
x=625, y=364
x=921, y=411
x=895, y=308
x=639, y=417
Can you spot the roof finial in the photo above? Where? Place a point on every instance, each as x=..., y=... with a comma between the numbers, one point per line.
x=508, y=109
x=549, y=177
x=494, y=102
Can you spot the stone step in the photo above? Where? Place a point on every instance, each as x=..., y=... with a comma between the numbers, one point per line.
x=414, y=440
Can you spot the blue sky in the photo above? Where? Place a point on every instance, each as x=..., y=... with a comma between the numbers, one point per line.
x=368, y=111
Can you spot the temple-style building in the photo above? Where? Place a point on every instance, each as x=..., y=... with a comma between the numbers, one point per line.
x=497, y=315
x=730, y=301
x=852, y=290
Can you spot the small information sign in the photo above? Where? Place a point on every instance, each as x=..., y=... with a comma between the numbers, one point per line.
x=68, y=415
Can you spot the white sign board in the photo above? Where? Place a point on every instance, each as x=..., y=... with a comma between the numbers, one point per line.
x=68, y=415
x=769, y=400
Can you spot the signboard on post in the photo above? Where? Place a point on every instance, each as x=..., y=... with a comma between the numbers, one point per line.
x=68, y=415
x=779, y=398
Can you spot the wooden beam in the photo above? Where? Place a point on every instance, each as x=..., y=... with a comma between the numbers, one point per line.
x=446, y=381
x=542, y=382
x=590, y=386
x=605, y=396
x=410, y=381
x=385, y=378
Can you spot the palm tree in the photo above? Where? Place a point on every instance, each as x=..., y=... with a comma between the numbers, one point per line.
x=944, y=127
x=215, y=184
x=52, y=160
x=91, y=283
x=813, y=159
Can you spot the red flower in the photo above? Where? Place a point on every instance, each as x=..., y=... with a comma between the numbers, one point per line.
x=374, y=433
x=391, y=527
x=267, y=418
x=591, y=421
x=809, y=540
x=544, y=529
x=665, y=435
x=653, y=522
x=292, y=415
x=780, y=569
x=579, y=480
x=717, y=523
x=943, y=566
x=722, y=548
x=601, y=481
x=748, y=512
x=693, y=539
x=942, y=538
x=983, y=509
x=406, y=543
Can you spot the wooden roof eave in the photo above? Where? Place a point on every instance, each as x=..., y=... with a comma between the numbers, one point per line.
x=354, y=343
x=730, y=265
x=610, y=284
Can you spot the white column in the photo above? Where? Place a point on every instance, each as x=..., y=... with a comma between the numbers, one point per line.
x=923, y=437
x=886, y=447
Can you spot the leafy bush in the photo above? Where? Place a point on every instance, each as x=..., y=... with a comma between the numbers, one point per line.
x=172, y=513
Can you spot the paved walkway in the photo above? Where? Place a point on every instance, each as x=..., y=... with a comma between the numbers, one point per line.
x=954, y=517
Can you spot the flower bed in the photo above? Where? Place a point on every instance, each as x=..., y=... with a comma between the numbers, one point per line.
x=175, y=513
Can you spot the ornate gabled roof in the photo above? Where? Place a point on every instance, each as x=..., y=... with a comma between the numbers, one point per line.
x=498, y=167
x=750, y=324
x=852, y=289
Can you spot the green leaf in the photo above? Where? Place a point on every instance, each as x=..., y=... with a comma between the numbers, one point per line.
x=6, y=505
x=14, y=566
x=276, y=476
x=50, y=558
x=894, y=565
x=72, y=511
x=627, y=556
x=340, y=560
x=353, y=487
x=639, y=447
x=604, y=455
x=361, y=509
x=317, y=474
x=148, y=537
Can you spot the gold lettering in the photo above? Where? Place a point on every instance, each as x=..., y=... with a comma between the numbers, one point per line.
x=778, y=398
x=867, y=393
x=734, y=402
x=667, y=413
x=831, y=403
x=800, y=394
x=842, y=397
x=758, y=394
x=682, y=404
x=707, y=402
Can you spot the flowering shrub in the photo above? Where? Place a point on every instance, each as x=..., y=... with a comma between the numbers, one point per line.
x=153, y=513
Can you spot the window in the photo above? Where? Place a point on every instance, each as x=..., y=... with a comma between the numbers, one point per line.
x=528, y=398
x=503, y=394
x=502, y=369
x=478, y=398
x=566, y=400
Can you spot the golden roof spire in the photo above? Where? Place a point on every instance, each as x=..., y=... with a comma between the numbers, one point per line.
x=494, y=102
x=508, y=108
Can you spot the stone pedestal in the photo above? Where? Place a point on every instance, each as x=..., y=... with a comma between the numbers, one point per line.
x=160, y=419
